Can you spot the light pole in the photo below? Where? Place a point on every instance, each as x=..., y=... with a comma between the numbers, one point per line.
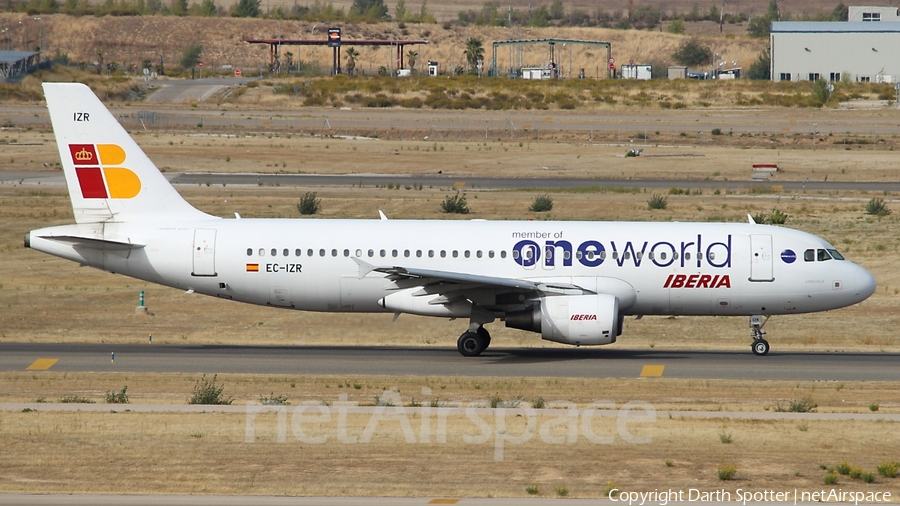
x=42, y=37
x=313, y=59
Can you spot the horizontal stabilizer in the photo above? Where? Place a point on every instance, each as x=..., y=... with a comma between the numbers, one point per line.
x=90, y=242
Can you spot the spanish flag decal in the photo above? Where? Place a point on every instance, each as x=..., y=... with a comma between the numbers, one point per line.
x=252, y=267
x=98, y=175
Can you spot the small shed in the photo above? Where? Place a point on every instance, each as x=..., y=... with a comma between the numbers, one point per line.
x=640, y=71
x=677, y=72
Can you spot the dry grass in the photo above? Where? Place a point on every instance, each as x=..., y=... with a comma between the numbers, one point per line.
x=207, y=453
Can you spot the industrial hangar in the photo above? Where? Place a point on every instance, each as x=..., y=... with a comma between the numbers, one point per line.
x=860, y=51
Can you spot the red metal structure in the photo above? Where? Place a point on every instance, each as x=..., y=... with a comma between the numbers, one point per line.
x=275, y=45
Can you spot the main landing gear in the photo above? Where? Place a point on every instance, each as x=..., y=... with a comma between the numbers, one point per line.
x=471, y=344
x=760, y=346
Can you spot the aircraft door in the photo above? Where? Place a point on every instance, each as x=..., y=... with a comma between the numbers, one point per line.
x=204, y=252
x=761, y=258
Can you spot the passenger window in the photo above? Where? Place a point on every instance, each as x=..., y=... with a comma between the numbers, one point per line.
x=823, y=255
x=418, y=253
x=549, y=252
x=443, y=254
x=650, y=255
x=602, y=255
x=406, y=253
x=491, y=254
x=431, y=253
x=358, y=253
x=249, y=252
x=662, y=256
x=383, y=253
x=627, y=255
x=712, y=256
x=567, y=254
x=515, y=254
x=590, y=255
x=835, y=255
x=334, y=252
x=687, y=256
x=346, y=252
x=394, y=253
x=615, y=255
x=478, y=253
x=285, y=252
x=309, y=252
x=675, y=256
x=371, y=253
x=503, y=254
x=262, y=252
x=455, y=254
x=579, y=254
x=297, y=252
x=321, y=252
x=274, y=252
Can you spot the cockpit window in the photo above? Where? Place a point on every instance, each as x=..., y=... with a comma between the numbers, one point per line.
x=822, y=255
x=835, y=255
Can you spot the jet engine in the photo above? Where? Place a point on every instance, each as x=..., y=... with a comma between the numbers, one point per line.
x=573, y=319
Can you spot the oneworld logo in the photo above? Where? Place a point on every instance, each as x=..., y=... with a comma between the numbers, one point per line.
x=99, y=172
x=788, y=256
x=700, y=252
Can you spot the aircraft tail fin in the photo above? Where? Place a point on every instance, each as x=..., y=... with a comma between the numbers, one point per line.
x=109, y=177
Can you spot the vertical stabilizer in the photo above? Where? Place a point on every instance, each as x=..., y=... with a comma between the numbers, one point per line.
x=110, y=179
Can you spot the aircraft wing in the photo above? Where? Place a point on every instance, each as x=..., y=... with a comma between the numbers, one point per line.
x=434, y=280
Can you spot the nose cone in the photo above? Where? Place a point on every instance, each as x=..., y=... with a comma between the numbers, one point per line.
x=863, y=283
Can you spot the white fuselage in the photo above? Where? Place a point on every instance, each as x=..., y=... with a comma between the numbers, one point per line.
x=308, y=264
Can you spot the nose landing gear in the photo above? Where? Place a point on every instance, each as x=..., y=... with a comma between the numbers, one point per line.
x=760, y=346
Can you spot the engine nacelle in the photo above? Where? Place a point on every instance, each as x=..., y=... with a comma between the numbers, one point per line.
x=576, y=319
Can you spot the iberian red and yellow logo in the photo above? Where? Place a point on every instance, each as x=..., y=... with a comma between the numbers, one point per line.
x=99, y=173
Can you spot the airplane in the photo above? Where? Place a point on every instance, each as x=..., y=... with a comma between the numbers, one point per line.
x=571, y=282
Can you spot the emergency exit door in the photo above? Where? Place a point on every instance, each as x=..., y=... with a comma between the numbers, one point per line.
x=761, y=258
x=204, y=252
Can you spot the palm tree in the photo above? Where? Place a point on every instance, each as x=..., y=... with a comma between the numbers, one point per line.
x=290, y=60
x=352, y=55
x=411, y=58
x=474, y=52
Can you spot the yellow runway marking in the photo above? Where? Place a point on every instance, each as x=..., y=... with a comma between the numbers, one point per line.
x=652, y=371
x=42, y=364
x=443, y=501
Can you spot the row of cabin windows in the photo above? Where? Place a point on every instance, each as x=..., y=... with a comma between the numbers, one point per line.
x=372, y=253
x=821, y=255
x=567, y=255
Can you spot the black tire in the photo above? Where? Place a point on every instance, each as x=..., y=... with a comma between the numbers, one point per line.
x=760, y=347
x=485, y=336
x=470, y=344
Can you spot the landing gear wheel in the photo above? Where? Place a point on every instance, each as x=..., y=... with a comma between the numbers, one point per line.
x=471, y=344
x=760, y=347
x=485, y=336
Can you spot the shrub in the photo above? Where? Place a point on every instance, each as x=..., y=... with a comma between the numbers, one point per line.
x=716, y=131
x=888, y=469
x=117, y=397
x=843, y=468
x=798, y=406
x=776, y=218
x=533, y=489
x=692, y=53
x=538, y=403
x=873, y=407
x=455, y=204
x=658, y=202
x=309, y=204
x=207, y=392
x=274, y=400
x=541, y=204
x=868, y=477
x=562, y=490
x=877, y=207
x=75, y=400
x=726, y=472
x=830, y=479
x=725, y=437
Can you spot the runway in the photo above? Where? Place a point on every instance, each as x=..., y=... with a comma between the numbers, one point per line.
x=606, y=362
x=491, y=183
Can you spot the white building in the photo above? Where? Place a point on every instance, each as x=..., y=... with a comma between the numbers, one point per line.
x=855, y=50
x=873, y=14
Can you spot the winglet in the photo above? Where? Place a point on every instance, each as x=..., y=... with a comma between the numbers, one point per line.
x=752, y=221
x=381, y=214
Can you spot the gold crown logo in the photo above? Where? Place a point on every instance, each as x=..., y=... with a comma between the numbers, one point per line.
x=84, y=155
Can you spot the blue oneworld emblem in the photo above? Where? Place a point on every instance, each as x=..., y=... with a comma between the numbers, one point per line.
x=788, y=256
